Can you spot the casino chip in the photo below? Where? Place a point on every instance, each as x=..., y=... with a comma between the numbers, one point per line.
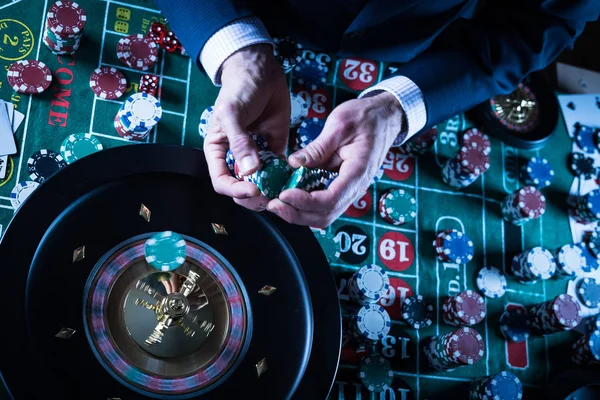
x=397, y=206
x=417, y=312
x=43, y=164
x=473, y=160
x=29, y=76
x=330, y=245
x=514, y=325
x=309, y=130
x=21, y=192
x=137, y=51
x=311, y=74
x=588, y=292
x=491, y=282
x=584, y=137
x=455, y=247
x=299, y=110
x=140, y=111
x=376, y=373
x=593, y=243
x=569, y=261
x=591, y=262
x=66, y=18
x=205, y=121
x=537, y=172
x=582, y=166
x=79, y=145
x=372, y=323
x=503, y=385
x=108, y=83
x=165, y=251
x=475, y=138
x=288, y=52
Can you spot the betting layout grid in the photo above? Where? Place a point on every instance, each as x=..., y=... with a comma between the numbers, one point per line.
x=316, y=98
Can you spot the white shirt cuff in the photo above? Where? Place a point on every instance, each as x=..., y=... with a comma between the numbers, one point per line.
x=241, y=33
x=411, y=99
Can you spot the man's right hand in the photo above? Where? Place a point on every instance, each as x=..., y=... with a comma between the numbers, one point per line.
x=254, y=98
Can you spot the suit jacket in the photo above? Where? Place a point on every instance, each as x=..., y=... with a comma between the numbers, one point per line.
x=458, y=52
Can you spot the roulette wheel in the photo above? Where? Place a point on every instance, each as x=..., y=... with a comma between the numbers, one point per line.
x=524, y=118
x=252, y=309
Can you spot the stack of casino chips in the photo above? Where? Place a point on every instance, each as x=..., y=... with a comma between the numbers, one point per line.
x=137, y=52
x=368, y=284
x=586, y=350
x=467, y=308
x=587, y=207
x=205, y=122
x=418, y=145
x=462, y=346
x=514, y=325
x=310, y=179
x=532, y=265
x=537, y=172
x=271, y=176
x=593, y=242
x=298, y=110
x=491, y=282
x=397, y=206
x=562, y=313
x=523, y=205
x=64, y=27
x=588, y=324
x=454, y=247
x=417, y=312
x=376, y=373
x=503, y=385
x=370, y=324
x=582, y=166
x=569, y=262
x=471, y=161
x=137, y=116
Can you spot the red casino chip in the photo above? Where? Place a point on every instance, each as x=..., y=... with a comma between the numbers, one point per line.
x=475, y=138
x=108, y=83
x=466, y=345
x=29, y=76
x=530, y=202
x=473, y=160
x=469, y=307
x=419, y=144
x=137, y=51
x=66, y=19
x=566, y=310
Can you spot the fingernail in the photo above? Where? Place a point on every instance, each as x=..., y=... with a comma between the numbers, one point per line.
x=300, y=157
x=246, y=164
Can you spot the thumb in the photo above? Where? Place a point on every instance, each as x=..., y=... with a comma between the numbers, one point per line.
x=241, y=144
x=318, y=152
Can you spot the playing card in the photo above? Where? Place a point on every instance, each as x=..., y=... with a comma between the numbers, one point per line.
x=17, y=120
x=7, y=138
x=582, y=108
x=3, y=165
x=10, y=108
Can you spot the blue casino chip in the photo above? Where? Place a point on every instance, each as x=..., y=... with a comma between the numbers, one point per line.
x=309, y=130
x=311, y=74
x=457, y=247
x=537, y=172
x=588, y=291
x=584, y=137
x=505, y=385
x=591, y=262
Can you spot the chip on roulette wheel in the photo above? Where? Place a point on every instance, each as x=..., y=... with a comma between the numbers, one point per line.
x=524, y=118
x=236, y=300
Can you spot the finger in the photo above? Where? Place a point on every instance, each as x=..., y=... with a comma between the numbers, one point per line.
x=230, y=118
x=320, y=150
x=340, y=193
x=299, y=217
x=257, y=203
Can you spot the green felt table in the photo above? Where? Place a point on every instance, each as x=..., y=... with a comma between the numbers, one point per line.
x=406, y=251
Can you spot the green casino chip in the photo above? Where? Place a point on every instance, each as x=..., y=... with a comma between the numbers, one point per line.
x=79, y=145
x=273, y=177
x=376, y=373
x=165, y=251
x=297, y=178
x=330, y=245
x=400, y=205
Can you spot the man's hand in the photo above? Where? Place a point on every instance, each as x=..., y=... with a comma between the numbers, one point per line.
x=355, y=140
x=254, y=98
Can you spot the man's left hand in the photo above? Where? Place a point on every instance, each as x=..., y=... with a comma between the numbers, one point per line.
x=355, y=141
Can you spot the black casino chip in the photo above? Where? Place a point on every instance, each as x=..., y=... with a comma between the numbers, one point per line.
x=288, y=52
x=252, y=306
x=525, y=118
x=582, y=166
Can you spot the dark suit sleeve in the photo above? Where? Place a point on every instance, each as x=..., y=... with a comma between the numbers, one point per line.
x=195, y=21
x=474, y=60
